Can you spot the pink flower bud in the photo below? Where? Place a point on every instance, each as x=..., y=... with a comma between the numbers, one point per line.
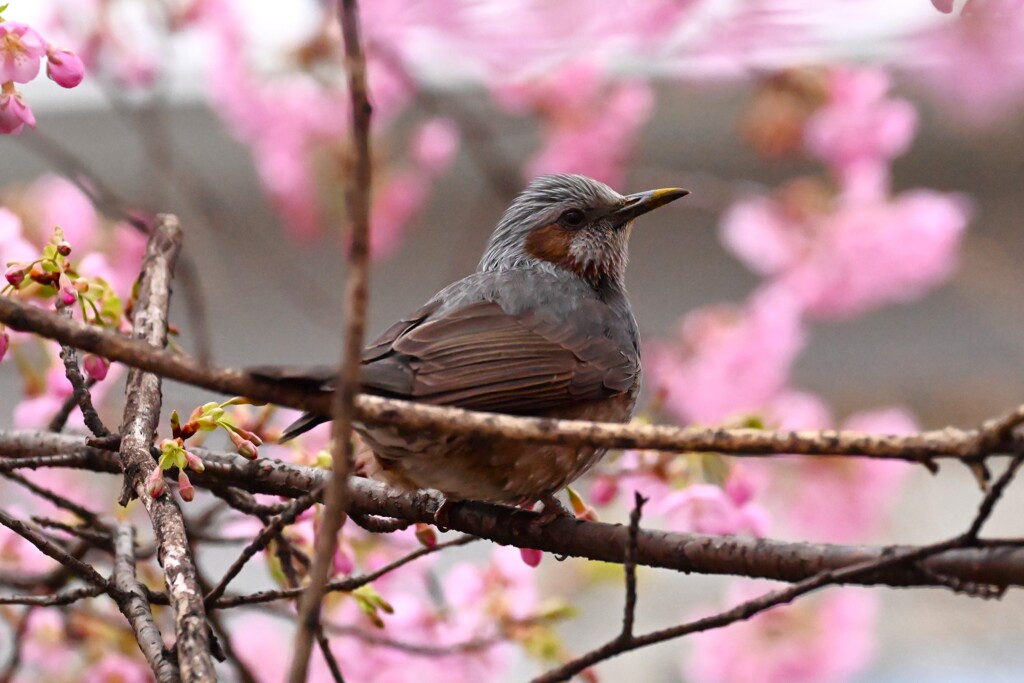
x=185, y=488
x=64, y=248
x=5, y=341
x=530, y=556
x=15, y=113
x=15, y=274
x=245, y=448
x=64, y=68
x=155, y=483
x=195, y=463
x=67, y=294
x=95, y=366
x=426, y=535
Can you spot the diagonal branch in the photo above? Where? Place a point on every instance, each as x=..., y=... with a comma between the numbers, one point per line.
x=142, y=411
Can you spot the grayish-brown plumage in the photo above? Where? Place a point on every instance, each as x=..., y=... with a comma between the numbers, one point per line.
x=542, y=328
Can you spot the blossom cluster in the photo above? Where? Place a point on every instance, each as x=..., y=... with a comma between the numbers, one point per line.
x=22, y=50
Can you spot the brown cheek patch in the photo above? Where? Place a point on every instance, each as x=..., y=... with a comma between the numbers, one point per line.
x=549, y=243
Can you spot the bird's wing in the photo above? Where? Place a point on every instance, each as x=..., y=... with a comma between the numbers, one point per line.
x=480, y=357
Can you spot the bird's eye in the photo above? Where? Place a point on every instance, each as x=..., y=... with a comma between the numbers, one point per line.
x=572, y=218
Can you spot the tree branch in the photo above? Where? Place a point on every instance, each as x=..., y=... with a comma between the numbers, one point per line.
x=142, y=412
x=357, y=193
x=134, y=604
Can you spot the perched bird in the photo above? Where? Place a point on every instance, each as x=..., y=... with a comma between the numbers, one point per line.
x=542, y=328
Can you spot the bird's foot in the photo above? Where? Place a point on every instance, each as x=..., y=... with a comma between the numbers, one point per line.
x=553, y=509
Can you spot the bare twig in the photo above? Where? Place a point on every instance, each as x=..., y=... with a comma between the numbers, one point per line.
x=51, y=549
x=357, y=203
x=83, y=399
x=134, y=604
x=54, y=599
x=83, y=513
x=629, y=610
x=627, y=642
x=142, y=411
x=266, y=535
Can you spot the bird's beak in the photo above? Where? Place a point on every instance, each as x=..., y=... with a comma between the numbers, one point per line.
x=642, y=202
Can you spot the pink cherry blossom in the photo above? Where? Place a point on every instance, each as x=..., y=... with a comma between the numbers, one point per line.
x=55, y=200
x=435, y=145
x=859, y=126
x=64, y=67
x=846, y=500
x=15, y=113
x=822, y=639
x=728, y=361
x=973, y=64
x=21, y=48
x=95, y=366
x=709, y=509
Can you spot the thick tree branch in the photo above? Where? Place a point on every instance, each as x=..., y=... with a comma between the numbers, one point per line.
x=134, y=604
x=142, y=412
x=995, y=563
x=923, y=447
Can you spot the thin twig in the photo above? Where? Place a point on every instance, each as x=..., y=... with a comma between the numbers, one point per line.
x=83, y=513
x=83, y=399
x=54, y=599
x=629, y=610
x=51, y=549
x=357, y=203
x=748, y=609
x=341, y=585
x=266, y=535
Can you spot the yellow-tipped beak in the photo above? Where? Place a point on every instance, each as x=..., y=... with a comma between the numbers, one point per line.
x=642, y=202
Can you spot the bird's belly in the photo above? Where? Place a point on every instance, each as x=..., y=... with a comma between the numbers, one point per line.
x=494, y=470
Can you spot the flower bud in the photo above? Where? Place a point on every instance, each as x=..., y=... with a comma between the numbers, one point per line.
x=531, y=556
x=15, y=274
x=195, y=463
x=95, y=366
x=426, y=535
x=155, y=483
x=64, y=248
x=67, y=294
x=64, y=68
x=185, y=488
x=245, y=448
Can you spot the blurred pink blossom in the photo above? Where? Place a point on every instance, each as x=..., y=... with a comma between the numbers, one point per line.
x=435, y=145
x=859, y=127
x=56, y=201
x=710, y=509
x=861, y=255
x=973, y=63
x=115, y=667
x=590, y=126
x=728, y=361
x=15, y=113
x=824, y=639
x=20, y=555
x=21, y=48
x=401, y=197
x=846, y=500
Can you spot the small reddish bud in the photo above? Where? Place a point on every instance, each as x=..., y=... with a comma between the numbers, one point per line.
x=15, y=274
x=426, y=535
x=195, y=463
x=185, y=488
x=64, y=248
x=95, y=366
x=531, y=556
x=245, y=448
x=67, y=294
x=155, y=483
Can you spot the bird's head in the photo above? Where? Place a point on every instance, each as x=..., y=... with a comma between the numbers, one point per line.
x=574, y=223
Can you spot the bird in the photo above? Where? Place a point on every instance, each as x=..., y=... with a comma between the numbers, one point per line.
x=543, y=328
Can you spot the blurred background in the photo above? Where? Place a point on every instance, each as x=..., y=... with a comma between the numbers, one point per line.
x=270, y=282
